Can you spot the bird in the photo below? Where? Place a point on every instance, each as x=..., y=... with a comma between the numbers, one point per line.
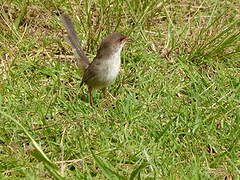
x=105, y=67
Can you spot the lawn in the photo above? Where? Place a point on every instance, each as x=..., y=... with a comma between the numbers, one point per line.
x=175, y=110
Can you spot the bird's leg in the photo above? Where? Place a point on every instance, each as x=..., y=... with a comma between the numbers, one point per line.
x=107, y=93
x=104, y=90
x=90, y=96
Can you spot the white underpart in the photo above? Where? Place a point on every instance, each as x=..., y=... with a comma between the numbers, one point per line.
x=110, y=69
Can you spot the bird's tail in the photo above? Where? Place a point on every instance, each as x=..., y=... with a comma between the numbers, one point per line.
x=74, y=41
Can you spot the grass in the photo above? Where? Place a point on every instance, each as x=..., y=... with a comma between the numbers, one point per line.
x=176, y=109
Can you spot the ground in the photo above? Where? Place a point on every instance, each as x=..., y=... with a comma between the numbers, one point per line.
x=174, y=113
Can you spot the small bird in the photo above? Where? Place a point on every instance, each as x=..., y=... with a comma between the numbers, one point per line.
x=104, y=68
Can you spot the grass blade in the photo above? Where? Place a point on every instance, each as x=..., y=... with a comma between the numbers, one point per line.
x=110, y=174
x=39, y=154
x=136, y=172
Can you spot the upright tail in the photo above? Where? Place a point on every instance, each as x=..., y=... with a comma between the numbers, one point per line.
x=74, y=41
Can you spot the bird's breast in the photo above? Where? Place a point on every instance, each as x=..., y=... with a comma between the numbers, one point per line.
x=108, y=70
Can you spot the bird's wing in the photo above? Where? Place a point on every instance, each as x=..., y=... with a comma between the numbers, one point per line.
x=88, y=74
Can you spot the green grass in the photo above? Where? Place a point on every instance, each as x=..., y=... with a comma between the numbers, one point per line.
x=176, y=109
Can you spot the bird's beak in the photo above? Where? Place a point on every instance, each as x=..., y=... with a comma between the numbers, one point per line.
x=128, y=39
